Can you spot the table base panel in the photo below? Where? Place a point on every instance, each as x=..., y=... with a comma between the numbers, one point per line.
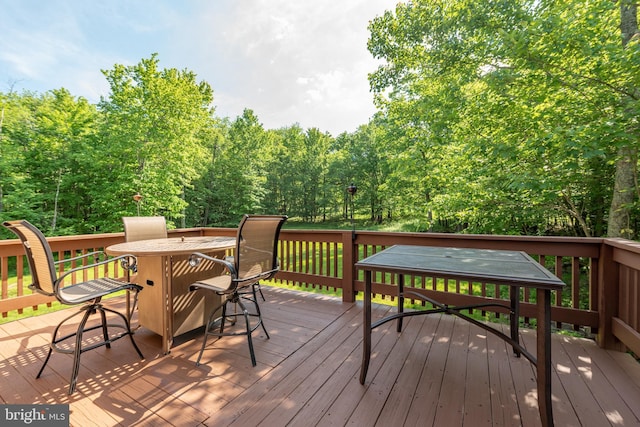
x=165, y=305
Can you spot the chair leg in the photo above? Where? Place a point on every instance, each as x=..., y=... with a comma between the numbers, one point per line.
x=128, y=328
x=255, y=300
x=45, y=362
x=54, y=341
x=87, y=311
x=206, y=329
x=224, y=317
x=77, y=351
x=128, y=302
x=236, y=300
x=231, y=318
x=248, y=325
x=131, y=307
x=259, y=290
x=105, y=332
x=204, y=339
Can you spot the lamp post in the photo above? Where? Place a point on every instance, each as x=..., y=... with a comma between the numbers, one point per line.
x=136, y=198
x=352, y=189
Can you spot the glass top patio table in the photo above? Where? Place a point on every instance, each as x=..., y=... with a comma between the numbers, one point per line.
x=172, y=245
x=512, y=268
x=498, y=266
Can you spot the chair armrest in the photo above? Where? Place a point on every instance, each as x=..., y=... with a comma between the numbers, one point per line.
x=124, y=259
x=196, y=258
x=129, y=263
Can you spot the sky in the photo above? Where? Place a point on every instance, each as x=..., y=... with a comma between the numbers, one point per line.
x=290, y=61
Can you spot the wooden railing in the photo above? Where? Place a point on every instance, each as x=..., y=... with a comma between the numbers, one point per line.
x=602, y=296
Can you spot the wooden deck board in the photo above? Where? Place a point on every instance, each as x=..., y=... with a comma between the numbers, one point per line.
x=425, y=400
x=504, y=409
x=567, y=370
x=602, y=375
x=391, y=352
x=524, y=380
x=288, y=394
x=439, y=371
x=399, y=401
x=594, y=401
x=305, y=386
x=450, y=409
x=477, y=389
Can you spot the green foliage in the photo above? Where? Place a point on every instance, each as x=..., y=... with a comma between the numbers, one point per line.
x=233, y=181
x=149, y=141
x=515, y=109
x=507, y=117
x=42, y=140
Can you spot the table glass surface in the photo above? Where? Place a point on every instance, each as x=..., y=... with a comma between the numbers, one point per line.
x=172, y=245
x=479, y=263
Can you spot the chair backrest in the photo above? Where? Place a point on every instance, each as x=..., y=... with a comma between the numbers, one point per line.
x=144, y=228
x=39, y=256
x=257, y=246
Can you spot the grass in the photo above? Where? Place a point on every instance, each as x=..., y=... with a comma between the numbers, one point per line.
x=12, y=291
x=477, y=314
x=360, y=224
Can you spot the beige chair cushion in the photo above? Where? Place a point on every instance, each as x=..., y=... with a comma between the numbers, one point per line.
x=216, y=284
x=144, y=228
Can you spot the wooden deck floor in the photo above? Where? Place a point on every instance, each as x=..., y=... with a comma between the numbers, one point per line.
x=440, y=371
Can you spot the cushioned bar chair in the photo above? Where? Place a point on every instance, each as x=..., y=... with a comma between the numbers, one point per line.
x=255, y=258
x=88, y=293
x=142, y=228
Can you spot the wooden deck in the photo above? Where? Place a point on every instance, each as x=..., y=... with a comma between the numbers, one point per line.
x=440, y=371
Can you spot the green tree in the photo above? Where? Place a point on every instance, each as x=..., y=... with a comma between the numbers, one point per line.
x=313, y=166
x=627, y=88
x=207, y=196
x=512, y=108
x=42, y=138
x=18, y=192
x=234, y=183
x=150, y=141
x=366, y=159
x=341, y=173
x=66, y=130
x=283, y=180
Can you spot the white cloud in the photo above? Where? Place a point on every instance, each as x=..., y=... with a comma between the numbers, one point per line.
x=309, y=58
x=290, y=61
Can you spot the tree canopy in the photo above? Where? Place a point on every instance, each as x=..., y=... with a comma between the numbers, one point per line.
x=517, y=110
x=510, y=116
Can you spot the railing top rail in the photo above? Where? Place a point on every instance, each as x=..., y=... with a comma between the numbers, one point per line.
x=560, y=245
x=629, y=245
x=490, y=237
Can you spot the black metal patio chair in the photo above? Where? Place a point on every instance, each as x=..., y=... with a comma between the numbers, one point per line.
x=255, y=259
x=88, y=293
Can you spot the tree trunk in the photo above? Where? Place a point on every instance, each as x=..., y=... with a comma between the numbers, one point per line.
x=55, y=204
x=624, y=186
x=623, y=194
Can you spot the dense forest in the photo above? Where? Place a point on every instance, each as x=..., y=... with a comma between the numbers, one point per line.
x=504, y=117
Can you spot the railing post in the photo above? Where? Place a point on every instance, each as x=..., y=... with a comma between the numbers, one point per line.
x=348, y=268
x=608, y=293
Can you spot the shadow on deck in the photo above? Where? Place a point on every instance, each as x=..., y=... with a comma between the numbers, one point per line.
x=439, y=371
